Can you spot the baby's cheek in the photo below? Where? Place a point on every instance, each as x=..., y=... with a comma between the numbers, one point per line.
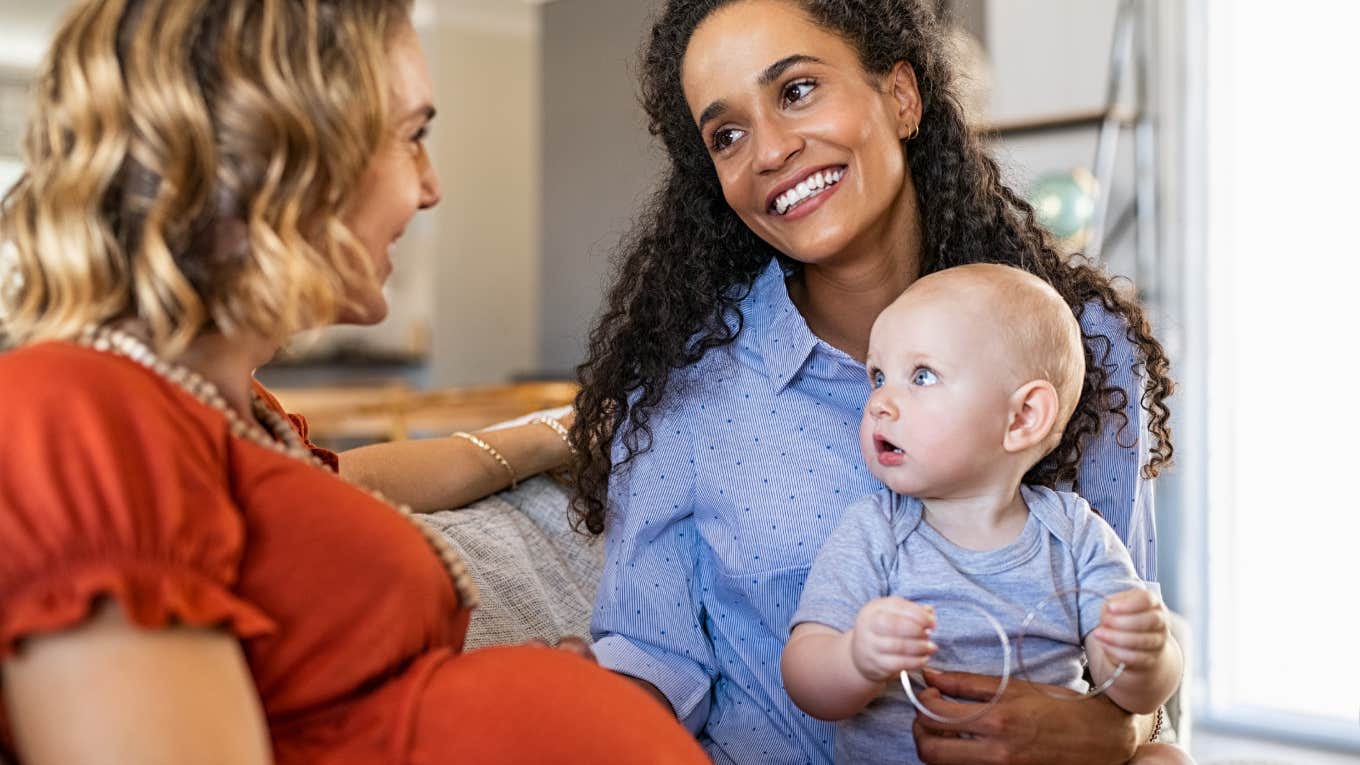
x=866, y=441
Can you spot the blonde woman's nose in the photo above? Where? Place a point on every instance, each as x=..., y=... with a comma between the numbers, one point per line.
x=430, y=193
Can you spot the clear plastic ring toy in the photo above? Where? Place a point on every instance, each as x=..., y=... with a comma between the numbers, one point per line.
x=1033, y=614
x=985, y=707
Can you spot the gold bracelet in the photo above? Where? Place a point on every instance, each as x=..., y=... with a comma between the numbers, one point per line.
x=1157, y=725
x=559, y=429
x=489, y=449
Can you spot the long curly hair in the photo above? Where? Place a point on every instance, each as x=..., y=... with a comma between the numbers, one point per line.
x=186, y=163
x=689, y=261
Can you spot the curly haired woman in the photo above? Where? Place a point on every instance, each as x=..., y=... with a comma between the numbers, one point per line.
x=183, y=578
x=818, y=164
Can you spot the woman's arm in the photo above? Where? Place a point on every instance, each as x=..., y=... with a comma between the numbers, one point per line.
x=432, y=474
x=108, y=692
x=648, y=617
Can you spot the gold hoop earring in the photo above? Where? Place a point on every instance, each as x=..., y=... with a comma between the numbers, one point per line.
x=915, y=131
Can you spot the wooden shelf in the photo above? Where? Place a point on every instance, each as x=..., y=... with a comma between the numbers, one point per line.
x=396, y=411
x=1055, y=123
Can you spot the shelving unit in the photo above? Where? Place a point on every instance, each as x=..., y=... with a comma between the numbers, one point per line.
x=1129, y=57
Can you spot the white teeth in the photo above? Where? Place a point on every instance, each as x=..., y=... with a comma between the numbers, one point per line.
x=806, y=189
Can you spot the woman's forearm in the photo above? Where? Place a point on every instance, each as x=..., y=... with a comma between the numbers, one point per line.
x=441, y=473
x=821, y=677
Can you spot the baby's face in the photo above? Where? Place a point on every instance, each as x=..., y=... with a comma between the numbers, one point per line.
x=942, y=378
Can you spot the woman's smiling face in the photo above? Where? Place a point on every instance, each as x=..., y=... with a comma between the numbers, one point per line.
x=806, y=144
x=400, y=179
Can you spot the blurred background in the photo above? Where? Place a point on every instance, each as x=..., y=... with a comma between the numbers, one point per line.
x=1205, y=149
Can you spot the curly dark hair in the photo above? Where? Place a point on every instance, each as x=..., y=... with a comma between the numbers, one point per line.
x=689, y=260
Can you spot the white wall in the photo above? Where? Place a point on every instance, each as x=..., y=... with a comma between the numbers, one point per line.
x=1048, y=56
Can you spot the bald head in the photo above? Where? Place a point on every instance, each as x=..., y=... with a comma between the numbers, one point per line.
x=1038, y=331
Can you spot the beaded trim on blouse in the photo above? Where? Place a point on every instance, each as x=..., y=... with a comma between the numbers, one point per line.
x=281, y=438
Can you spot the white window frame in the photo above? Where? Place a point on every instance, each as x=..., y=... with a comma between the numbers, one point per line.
x=1198, y=497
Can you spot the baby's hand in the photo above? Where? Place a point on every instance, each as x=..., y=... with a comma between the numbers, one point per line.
x=890, y=635
x=1134, y=629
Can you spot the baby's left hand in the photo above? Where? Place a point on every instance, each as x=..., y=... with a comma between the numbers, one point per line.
x=1134, y=629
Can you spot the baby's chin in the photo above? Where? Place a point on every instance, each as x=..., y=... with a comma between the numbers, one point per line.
x=899, y=483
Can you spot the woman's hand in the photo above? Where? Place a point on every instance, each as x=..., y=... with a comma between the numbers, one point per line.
x=1026, y=725
x=577, y=646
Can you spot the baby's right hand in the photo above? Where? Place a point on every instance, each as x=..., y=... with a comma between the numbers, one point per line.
x=890, y=635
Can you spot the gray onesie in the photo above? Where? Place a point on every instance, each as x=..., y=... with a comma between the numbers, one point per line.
x=882, y=547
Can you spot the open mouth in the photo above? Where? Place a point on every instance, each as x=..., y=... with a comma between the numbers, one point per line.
x=884, y=446
x=810, y=187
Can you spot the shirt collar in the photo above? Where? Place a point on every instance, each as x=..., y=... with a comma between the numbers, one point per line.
x=782, y=335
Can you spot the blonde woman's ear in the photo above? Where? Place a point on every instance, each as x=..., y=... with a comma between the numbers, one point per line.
x=1033, y=413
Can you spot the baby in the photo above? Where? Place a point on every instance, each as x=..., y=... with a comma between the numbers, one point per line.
x=976, y=371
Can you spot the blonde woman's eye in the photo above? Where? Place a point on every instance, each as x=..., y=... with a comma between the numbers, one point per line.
x=923, y=376
x=797, y=91
x=876, y=378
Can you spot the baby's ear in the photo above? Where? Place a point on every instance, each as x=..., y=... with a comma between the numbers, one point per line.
x=1033, y=411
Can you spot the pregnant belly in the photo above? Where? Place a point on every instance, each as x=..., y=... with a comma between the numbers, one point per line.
x=526, y=704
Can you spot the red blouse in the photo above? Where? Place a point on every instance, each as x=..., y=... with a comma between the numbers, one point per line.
x=116, y=482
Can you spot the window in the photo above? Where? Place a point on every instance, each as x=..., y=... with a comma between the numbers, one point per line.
x=1273, y=364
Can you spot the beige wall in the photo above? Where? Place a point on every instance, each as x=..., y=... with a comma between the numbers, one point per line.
x=482, y=241
x=599, y=161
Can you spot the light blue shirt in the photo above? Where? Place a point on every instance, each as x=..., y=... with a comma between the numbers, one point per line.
x=755, y=453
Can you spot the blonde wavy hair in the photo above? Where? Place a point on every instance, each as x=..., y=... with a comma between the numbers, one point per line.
x=187, y=163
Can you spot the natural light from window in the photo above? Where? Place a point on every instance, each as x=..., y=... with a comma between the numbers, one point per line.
x=1283, y=395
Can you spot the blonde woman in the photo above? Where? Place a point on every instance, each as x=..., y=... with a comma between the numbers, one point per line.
x=183, y=578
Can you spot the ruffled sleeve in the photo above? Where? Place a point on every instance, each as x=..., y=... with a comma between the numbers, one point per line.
x=328, y=458
x=113, y=483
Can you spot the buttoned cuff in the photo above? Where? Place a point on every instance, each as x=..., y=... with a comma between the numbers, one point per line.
x=682, y=681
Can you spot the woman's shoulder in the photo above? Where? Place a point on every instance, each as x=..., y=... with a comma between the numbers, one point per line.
x=57, y=370
x=56, y=383
x=1107, y=335
x=1098, y=319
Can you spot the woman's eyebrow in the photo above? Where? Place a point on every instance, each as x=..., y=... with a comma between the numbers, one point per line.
x=425, y=112
x=771, y=73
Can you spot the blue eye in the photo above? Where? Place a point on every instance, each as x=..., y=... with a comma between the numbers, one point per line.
x=876, y=378
x=924, y=376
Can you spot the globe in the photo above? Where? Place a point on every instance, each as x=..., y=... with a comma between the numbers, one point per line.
x=1064, y=202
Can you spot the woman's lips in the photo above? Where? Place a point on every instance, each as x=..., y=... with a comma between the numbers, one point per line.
x=811, y=205
x=808, y=204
